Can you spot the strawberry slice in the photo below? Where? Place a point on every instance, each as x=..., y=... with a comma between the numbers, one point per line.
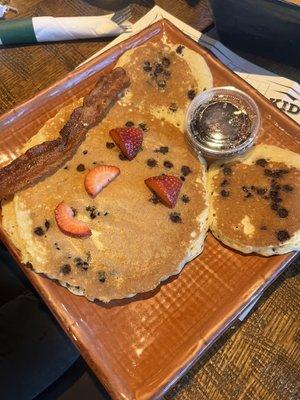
x=66, y=222
x=129, y=140
x=97, y=178
x=166, y=188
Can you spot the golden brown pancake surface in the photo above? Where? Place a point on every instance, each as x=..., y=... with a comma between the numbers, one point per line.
x=135, y=243
x=255, y=204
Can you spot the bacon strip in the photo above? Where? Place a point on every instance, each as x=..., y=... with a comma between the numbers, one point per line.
x=46, y=158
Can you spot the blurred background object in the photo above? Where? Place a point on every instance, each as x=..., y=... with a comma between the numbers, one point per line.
x=266, y=27
x=118, y=4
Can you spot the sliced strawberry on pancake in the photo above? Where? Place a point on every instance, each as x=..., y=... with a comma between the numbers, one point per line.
x=64, y=216
x=166, y=188
x=129, y=140
x=98, y=178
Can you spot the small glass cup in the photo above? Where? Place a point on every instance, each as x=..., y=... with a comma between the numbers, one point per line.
x=224, y=146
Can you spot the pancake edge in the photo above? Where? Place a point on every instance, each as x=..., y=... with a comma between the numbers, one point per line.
x=276, y=154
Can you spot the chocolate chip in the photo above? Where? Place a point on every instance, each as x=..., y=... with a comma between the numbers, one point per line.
x=165, y=61
x=93, y=211
x=287, y=188
x=182, y=178
x=143, y=127
x=283, y=235
x=263, y=228
x=105, y=213
x=47, y=224
x=84, y=152
x=129, y=124
x=275, y=186
x=162, y=149
x=168, y=164
x=167, y=73
x=80, y=263
x=261, y=191
x=276, y=199
x=277, y=173
x=154, y=199
x=185, y=199
x=158, y=69
x=269, y=173
x=179, y=49
x=175, y=217
x=173, y=107
x=80, y=168
x=122, y=157
x=261, y=162
x=151, y=162
x=191, y=94
x=161, y=83
x=227, y=171
x=274, y=194
x=110, y=145
x=65, y=269
x=39, y=231
x=147, y=66
x=274, y=206
x=225, y=193
x=248, y=195
x=282, y=212
x=66, y=167
x=224, y=183
x=101, y=276
x=185, y=170
x=245, y=188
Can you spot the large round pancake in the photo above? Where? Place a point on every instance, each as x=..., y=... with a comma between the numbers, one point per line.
x=136, y=245
x=247, y=222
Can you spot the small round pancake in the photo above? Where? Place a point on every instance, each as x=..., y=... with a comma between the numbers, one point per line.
x=255, y=201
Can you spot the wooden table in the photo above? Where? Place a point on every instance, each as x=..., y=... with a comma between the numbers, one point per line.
x=258, y=359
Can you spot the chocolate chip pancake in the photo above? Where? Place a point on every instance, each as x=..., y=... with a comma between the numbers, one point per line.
x=255, y=201
x=164, y=78
x=136, y=241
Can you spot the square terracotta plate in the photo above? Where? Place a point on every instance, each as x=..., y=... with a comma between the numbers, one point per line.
x=139, y=347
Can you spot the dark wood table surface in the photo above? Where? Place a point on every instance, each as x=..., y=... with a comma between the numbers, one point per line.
x=258, y=359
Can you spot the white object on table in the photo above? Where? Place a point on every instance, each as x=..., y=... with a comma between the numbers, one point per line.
x=283, y=92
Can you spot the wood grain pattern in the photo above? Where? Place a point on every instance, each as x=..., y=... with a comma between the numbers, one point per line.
x=27, y=69
x=257, y=360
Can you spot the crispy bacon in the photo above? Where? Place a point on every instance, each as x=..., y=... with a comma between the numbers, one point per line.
x=46, y=158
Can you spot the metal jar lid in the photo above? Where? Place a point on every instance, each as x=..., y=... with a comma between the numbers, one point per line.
x=219, y=140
